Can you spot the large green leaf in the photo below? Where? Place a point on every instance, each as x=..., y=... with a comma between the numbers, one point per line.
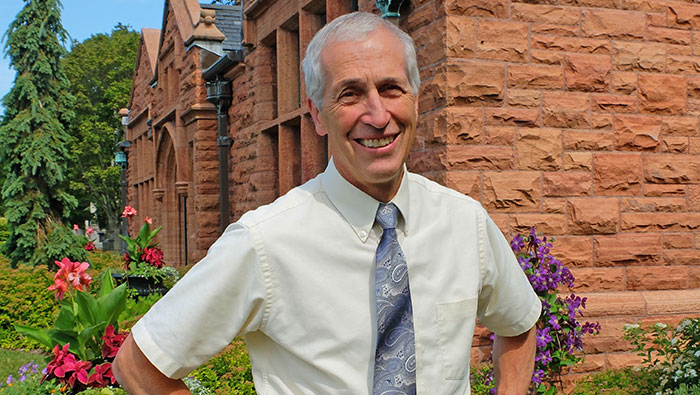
x=86, y=309
x=107, y=284
x=87, y=339
x=40, y=335
x=112, y=305
x=66, y=318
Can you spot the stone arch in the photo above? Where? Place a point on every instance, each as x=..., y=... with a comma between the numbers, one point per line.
x=166, y=195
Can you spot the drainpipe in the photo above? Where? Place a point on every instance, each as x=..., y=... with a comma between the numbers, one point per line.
x=219, y=93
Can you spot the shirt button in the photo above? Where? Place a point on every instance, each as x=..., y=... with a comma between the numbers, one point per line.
x=363, y=234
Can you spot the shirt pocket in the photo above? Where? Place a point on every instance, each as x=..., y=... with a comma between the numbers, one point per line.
x=455, y=322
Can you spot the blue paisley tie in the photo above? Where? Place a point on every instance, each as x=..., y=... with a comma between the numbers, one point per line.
x=395, y=360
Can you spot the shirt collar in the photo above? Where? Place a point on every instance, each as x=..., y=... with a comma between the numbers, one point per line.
x=358, y=208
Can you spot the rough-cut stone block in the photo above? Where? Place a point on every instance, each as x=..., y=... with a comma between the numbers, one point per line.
x=624, y=82
x=626, y=249
x=678, y=64
x=538, y=149
x=535, y=77
x=587, y=72
x=652, y=204
x=686, y=301
x=662, y=94
x=459, y=37
x=555, y=29
x=681, y=257
x=546, y=57
x=693, y=86
x=499, y=135
x=467, y=157
x=638, y=56
x=656, y=222
x=694, y=277
x=621, y=361
x=606, y=304
x=617, y=174
x=677, y=240
x=684, y=15
x=545, y=14
x=571, y=44
x=656, y=278
x=672, y=169
x=598, y=279
x=613, y=23
x=591, y=141
x=485, y=8
x=636, y=133
x=601, y=121
x=512, y=191
x=525, y=117
x=675, y=145
x=664, y=190
x=694, y=197
x=554, y=205
x=466, y=182
x=592, y=215
x=474, y=83
x=578, y=161
x=502, y=40
x=567, y=183
x=566, y=110
x=680, y=126
x=523, y=98
x=614, y=103
x=610, y=338
x=670, y=36
x=573, y=250
x=550, y=224
x=456, y=125
x=694, y=146
x=644, y=5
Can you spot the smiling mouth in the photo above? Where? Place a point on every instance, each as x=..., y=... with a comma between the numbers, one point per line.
x=376, y=143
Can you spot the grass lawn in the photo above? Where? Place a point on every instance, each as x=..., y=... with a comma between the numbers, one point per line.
x=11, y=361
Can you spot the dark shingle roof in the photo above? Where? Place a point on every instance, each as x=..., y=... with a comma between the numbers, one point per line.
x=229, y=21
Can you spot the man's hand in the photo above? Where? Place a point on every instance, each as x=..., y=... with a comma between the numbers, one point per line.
x=514, y=362
x=138, y=376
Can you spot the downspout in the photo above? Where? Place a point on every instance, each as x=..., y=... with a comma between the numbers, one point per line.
x=219, y=93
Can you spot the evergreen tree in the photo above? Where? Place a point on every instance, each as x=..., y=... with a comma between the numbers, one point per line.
x=34, y=137
x=100, y=70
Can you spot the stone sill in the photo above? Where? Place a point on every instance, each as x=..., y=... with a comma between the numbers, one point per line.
x=642, y=303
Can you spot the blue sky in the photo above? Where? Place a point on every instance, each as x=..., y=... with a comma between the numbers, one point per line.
x=82, y=19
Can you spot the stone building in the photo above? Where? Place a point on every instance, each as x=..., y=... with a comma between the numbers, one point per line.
x=580, y=121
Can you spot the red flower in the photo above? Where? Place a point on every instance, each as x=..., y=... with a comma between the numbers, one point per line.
x=89, y=246
x=75, y=227
x=72, y=273
x=153, y=255
x=89, y=231
x=128, y=212
x=66, y=368
x=112, y=342
x=148, y=220
x=102, y=376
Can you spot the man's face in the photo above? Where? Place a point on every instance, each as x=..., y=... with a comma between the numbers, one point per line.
x=369, y=111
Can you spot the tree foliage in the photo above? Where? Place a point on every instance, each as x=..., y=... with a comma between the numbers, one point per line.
x=100, y=70
x=33, y=132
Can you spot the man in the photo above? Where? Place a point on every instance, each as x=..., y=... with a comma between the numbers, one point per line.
x=330, y=299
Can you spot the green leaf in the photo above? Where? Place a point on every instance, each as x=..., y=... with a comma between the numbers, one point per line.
x=66, y=318
x=87, y=309
x=111, y=306
x=40, y=335
x=107, y=283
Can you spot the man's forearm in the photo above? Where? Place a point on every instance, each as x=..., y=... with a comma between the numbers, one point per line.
x=138, y=376
x=514, y=362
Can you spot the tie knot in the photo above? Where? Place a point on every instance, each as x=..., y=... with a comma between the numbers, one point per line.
x=387, y=215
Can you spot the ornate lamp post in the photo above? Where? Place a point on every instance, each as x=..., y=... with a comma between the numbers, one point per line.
x=120, y=159
x=389, y=8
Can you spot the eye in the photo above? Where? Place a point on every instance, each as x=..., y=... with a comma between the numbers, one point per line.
x=391, y=90
x=348, y=95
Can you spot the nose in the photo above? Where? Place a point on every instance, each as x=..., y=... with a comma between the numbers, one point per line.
x=376, y=114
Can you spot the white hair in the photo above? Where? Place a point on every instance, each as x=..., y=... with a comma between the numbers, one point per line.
x=355, y=26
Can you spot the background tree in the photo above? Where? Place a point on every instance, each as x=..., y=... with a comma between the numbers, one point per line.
x=100, y=71
x=34, y=138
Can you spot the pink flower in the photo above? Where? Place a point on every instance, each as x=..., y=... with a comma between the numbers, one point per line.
x=153, y=255
x=89, y=231
x=72, y=273
x=89, y=246
x=75, y=227
x=129, y=212
x=148, y=220
x=102, y=376
x=112, y=342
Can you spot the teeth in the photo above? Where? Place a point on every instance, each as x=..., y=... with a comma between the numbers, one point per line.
x=376, y=143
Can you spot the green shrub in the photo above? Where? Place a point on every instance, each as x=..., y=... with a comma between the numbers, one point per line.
x=683, y=389
x=24, y=300
x=4, y=230
x=229, y=372
x=619, y=382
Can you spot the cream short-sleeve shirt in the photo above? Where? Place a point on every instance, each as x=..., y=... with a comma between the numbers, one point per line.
x=296, y=278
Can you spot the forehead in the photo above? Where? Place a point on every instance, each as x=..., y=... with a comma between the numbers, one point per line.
x=379, y=54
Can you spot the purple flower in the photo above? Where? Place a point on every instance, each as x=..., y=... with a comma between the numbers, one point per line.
x=554, y=322
x=538, y=376
x=544, y=358
x=9, y=379
x=543, y=337
x=517, y=243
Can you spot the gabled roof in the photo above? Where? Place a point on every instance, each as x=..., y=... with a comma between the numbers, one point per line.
x=150, y=38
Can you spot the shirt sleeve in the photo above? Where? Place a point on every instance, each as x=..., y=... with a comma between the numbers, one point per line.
x=221, y=297
x=508, y=305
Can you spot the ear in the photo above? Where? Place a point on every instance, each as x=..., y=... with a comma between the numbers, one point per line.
x=316, y=116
